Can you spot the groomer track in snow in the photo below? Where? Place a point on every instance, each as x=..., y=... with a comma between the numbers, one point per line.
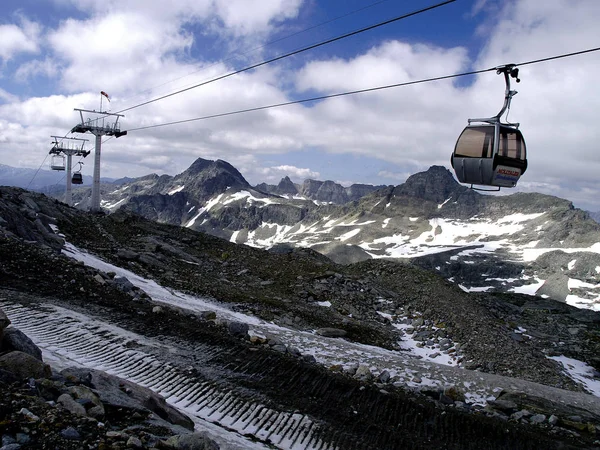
x=272, y=399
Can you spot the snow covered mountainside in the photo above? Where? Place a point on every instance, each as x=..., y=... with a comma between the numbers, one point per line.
x=524, y=243
x=290, y=350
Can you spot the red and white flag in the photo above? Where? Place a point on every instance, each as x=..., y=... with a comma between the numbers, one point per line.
x=105, y=94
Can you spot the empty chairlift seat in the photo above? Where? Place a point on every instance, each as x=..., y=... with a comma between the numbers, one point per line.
x=57, y=162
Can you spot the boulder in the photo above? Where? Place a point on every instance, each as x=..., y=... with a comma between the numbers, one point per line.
x=331, y=332
x=16, y=340
x=115, y=392
x=71, y=405
x=4, y=322
x=24, y=366
x=193, y=441
x=238, y=329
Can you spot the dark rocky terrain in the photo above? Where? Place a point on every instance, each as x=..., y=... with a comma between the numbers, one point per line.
x=285, y=288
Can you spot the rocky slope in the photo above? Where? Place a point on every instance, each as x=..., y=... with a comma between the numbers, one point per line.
x=76, y=408
x=377, y=302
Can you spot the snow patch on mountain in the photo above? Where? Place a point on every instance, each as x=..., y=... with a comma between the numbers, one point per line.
x=580, y=372
x=529, y=255
x=176, y=189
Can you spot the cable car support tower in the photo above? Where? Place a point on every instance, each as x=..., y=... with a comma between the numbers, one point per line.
x=69, y=147
x=99, y=123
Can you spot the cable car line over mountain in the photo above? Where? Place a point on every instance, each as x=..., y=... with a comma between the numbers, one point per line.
x=362, y=91
x=295, y=52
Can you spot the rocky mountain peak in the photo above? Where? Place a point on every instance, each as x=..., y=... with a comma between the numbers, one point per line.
x=435, y=184
x=286, y=186
x=207, y=177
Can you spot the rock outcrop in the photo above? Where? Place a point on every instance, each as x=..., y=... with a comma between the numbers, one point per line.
x=78, y=408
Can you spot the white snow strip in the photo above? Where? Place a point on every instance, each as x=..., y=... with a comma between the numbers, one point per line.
x=107, y=205
x=348, y=235
x=578, y=284
x=158, y=293
x=529, y=289
x=533, y=254
x=479, y=289
x=581, y=372
x=385, y=222
x=325, y=304
x=175, y=190
x=233, y=237
x=413, y=219
x=597, y=269
x=445, y=201
x=571, y=264
x=249, y=198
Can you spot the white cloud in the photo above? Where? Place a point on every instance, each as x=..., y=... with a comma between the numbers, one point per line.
x=273, y=175
x=22, y=38
x=133, y=48
x=34, y=68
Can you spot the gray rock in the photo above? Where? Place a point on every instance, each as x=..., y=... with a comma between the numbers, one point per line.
x=193, y=441
x=71, y=405
x=351, y=369
x=4, y=321
x=331, y=332
x=384, y=377
x=538, y=418
x=553, y=420
x=363, y=373
x=134, y=442
x=24, y=366
x=13, y=446
x=238, y=329
x=116, y=392
x=71, y=434
x=506, y=406
x=16, y=340
x=123, y=284
x=127, y=255
x=280, y=348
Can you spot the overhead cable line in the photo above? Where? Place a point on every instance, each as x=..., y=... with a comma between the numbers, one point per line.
x=232, y=54
x=295, y=52
x=361, y=91
x=36, y=172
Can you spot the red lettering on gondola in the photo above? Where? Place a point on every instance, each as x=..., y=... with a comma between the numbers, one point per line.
x=512, y=173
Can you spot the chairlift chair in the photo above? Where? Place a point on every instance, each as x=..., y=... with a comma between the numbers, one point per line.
x=489, y=152
x=57, y=162
x=77, y=178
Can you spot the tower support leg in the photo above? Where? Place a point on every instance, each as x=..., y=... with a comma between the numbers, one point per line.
x=68, y=197
x=95, y=205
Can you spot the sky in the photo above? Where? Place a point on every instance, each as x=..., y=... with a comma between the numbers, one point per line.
x=57, y=55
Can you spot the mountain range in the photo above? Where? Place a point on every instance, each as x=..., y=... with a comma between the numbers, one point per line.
x=283, y=348
x=524, y=242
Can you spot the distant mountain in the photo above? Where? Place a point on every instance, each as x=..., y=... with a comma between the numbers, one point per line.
x=524, y=242
x=595, y=216
x=321, y=191
x=51, y=182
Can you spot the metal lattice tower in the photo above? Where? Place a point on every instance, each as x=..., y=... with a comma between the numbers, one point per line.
x=100, y=125
x=69, y=148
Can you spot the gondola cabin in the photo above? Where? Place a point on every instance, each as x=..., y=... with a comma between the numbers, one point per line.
x=490, y=155
x=77, y=179
x=57, y=162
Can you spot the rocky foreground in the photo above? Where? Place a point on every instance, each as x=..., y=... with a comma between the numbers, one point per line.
x=354, y=407
x=80, y=408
